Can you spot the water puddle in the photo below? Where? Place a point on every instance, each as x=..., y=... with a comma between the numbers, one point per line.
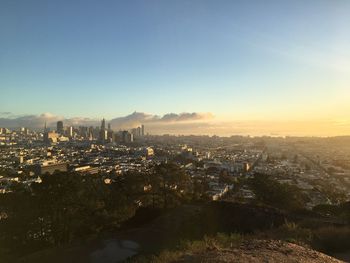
x=114, y=250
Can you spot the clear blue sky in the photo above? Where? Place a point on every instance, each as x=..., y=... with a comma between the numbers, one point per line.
x=236, y=59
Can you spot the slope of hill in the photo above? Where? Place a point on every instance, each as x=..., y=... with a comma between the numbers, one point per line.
x=272, y=251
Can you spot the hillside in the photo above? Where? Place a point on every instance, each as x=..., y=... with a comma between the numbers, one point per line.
x=257, y=251
x=212, y=232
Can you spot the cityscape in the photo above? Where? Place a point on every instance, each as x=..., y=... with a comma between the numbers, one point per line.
x=174, y=131
x=318, y=166
x=217, y=169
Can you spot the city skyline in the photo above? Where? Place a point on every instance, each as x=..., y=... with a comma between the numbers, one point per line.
x=187, y=124
x=273, y=66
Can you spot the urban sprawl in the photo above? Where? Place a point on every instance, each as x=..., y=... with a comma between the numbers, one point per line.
x=320, y=167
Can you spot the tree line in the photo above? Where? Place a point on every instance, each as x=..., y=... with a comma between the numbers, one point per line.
x=67, y=206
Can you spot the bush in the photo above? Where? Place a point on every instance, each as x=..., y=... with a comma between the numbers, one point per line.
x=270, y=192
x=290, y=232
x=332, y=239
x=187, y=247
x=229, y=240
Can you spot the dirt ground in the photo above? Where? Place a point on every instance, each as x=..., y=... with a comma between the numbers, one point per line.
x=271, y=251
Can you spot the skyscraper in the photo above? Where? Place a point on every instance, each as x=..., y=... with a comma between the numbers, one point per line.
x=142, y=130
x=127, y=137
x=103, y=124
x=60, y=127
x=103, y=131
x=70, y=131
x=138, y=132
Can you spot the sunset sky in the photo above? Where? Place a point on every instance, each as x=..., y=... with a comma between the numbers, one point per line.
x=270, y=66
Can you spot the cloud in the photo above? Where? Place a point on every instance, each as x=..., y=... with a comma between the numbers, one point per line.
x=31, y=121
x=190, y=123
x=126, y=122
x=173, y=117
x=132, y=120
x=138, y=118
x=6, y=113
x=38, y=121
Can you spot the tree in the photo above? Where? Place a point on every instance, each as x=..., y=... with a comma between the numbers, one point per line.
x=67, y=207
x=64, y=200
x=271, y=192
x=18, y=224
x=170, y=183
x=74, y=206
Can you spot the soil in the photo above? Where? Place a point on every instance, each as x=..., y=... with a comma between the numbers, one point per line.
x=271, y=251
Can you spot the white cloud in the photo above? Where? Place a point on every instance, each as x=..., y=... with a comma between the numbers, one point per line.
x=190, y=123
x=125, y=122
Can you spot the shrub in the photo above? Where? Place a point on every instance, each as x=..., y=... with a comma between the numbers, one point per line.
x=332, y=239
x=290, y=232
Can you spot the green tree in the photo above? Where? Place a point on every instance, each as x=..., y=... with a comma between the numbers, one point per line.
x=170, y=183
x=271, y=192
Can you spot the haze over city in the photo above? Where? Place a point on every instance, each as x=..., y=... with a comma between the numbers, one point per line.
x=275, y=69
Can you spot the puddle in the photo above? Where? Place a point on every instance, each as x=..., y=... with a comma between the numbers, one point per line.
x=114, y=250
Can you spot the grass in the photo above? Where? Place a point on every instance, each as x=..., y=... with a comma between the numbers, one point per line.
x=191, y=247
x=289, y=232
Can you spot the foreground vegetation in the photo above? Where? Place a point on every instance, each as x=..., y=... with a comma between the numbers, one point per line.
x=329, y=240
x=68, y=208
x=219, y=241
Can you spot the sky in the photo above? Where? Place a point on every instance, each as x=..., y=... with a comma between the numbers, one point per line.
x=240, y=61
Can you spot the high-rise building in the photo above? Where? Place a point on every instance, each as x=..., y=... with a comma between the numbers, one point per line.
x=134, y=132
x=60, y=127
x=103, y=132
x=50, y=137
x=117, y=137
x=70, y=131
x=103, y=124
x=110, y=135
x=127, y=137
x=91, y=133
x=83, y=132
x=138, y=132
